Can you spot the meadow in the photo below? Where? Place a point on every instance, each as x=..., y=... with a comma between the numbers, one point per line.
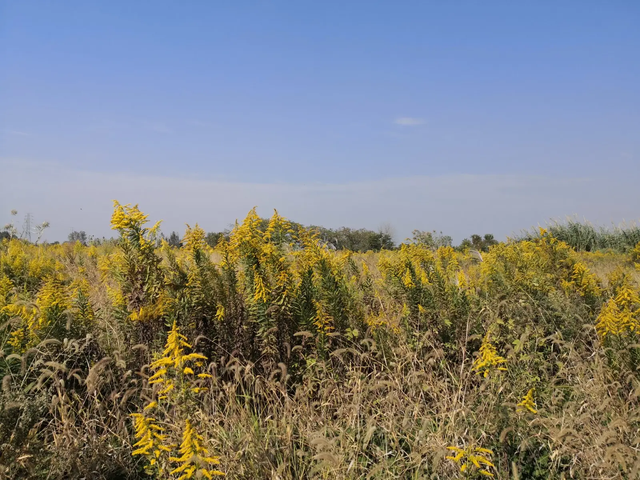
x=271, y=356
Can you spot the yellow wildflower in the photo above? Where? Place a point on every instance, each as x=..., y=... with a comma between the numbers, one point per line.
x=407, y=280
x=150, y=437
x=194, y=239
x=323, y=321
x=488, y=359
x=220, y=312
x=619, y=314
x=260, y=293
x=476, y=456
x=527, y=403
x=195, y=460
x=126, y=217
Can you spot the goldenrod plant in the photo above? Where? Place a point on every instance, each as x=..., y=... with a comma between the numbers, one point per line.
x=136, y=266
x=267, y=354
x=472, y=457
x=177, y=388
x=194, y=460
x=488, y=360
x=527, y=403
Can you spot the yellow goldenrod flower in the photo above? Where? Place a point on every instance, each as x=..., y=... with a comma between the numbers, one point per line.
x=466, y=457
x=527, y=403
x=620, y=314
x=323, y=321
x=260, y=294
x=194, y=239
x=407, y=280
x=365, y=268
x=195, y=459
x=126, y=217
x=149, y=436
x=488, y=359
x=220, y=312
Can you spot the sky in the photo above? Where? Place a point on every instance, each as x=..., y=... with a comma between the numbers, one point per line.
x=462, y=117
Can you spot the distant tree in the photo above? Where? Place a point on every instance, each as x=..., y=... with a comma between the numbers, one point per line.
x=360, y=240
x=213, y=238
x=174, y=239
x=479, y=243
x=80, y=236
x=431, y=239
x=465, y=245
x=386, y=233
x=420, y=237
x=489, y=240
x=4, y=234
x=385, y=239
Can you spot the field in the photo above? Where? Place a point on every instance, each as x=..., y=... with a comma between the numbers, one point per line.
x=273, y=357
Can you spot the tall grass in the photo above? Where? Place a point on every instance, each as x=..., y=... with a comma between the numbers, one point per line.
x=583, y=236
x=274, y=357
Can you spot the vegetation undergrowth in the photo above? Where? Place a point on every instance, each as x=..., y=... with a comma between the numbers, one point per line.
x=583, y=236
x=272, y=356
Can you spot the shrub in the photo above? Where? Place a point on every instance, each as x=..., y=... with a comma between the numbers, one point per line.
x=267, y=354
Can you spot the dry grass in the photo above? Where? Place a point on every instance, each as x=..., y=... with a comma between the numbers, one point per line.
x=379, y=390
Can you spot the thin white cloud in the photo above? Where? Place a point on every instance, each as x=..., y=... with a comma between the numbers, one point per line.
x=458, y=205
x=199, y=123
x=18, y=133
x=105, y=126
x=409, y=121
x=158, y=127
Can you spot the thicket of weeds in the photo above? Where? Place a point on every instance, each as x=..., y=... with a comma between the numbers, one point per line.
x=583, y=236
x=273, y=357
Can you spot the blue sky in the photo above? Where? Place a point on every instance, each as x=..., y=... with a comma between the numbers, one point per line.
x=283, y=104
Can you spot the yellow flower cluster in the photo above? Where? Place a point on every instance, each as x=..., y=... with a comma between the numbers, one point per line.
x=585, y=282
x=126, y=217
x=447, y=262
x=30, y=262
x=150, y=437
x=6, y=285
x=194, y=239
x=220, y=312
x=407, y=280
x=153, y=311
x=173, y=356
x=27, y=315
x=527, y=403
x=260, y=291
x=116, y=297
x=52, y=295
x=173, y=374
x=323, y=321
x=476, y=456
x=52, y=302
x=247, y=237
x=194, y=460
x=488, y=359
x=635, y=255
x=536, y=266
x=129, y=222
x=278, y=228
x=620, y=314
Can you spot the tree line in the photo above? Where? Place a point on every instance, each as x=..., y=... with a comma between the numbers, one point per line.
x=343, y=238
